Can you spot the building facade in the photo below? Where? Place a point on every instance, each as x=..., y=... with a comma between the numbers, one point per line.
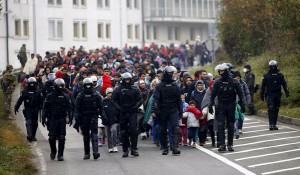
x=47, y=25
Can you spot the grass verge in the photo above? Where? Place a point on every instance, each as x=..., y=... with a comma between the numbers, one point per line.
x=15, y=154
x=289, y=66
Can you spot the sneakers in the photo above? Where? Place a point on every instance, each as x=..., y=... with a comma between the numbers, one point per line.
x=271, y=128
x=194, y=145
x=96, y=155
x=222, y=148
x=202, y=143
x=240, y=131
x=100, y=142
x=115, y=149
x=110, y=150
x=190, y=143
x=86, y=156
x=230, y=148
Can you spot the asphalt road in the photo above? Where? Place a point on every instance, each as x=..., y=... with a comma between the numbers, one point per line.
x=258, y=151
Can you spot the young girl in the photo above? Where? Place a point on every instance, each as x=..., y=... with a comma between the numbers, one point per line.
x=192, y=114
x=183, y=125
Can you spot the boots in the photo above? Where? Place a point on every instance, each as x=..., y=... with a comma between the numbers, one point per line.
x=230, y=148
x=134, y=153
x=165, y=152
x=96, y=153
x=222, y=148
x=176, y=151
x=61, y=147
x=52, y=143
x=125, y=154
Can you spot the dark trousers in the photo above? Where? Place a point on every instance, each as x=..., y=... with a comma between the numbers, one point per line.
x=129, y=128
x=192, y=133
x=226, y=115
x=57, y=130
x=169, y=119
x=31, y=122
x=89, y=127
x=273, y=107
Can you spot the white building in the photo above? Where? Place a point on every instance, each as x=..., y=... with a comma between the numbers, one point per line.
x=46, y=25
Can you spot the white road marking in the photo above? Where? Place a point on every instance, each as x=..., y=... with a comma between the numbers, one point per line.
x=247, y=119
x=267, y=147
x=246, y=132
x=263, y=141
x=41, y=158
x=264, y=155
x=263, y=135
x=251, y=123
x=282, y=170
x=268, y=163
x=256, y=126
x=226, y=161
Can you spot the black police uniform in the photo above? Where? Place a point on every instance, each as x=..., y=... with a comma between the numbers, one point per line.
x=33, y=103
x=167, y=106
x=55, y=109
x=271, y=91
x=88, y=107
x=226, y=88
x=127, y=98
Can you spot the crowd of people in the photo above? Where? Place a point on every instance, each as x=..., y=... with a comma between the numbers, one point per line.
x=115, y=95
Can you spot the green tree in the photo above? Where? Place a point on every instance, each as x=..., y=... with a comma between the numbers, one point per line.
x=252, y=27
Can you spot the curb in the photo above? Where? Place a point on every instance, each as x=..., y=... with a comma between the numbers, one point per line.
x=281, y=118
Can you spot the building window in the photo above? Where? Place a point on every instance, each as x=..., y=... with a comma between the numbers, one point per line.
x=18, y=27
x=148, y=33
x=176, y=33
x=100, y=30
x=75, y=2
x=25, y=28
x=84, y=30
x=51, y=29
x=137, y=31
x=129, y=3
x=54, y=2
x=55, y=29
x=107, y=3
x=59, y=29
x=107, y=31
x=100, y=3
x=50, y=2
x=83, y=3
x=192, y=34
x=155, y=34
x=137, y=4
x=76, y=29
x=170, y=33
x=129, y=31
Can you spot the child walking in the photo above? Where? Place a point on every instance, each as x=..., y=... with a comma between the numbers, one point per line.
x=183, y=135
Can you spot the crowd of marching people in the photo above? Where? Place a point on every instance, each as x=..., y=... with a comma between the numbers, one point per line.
x=115, y=95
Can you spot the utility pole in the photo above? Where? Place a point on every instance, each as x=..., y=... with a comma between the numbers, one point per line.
x=7, y=32
x=143, y=26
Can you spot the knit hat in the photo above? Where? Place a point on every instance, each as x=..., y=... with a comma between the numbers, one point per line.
x=237, y=74
x=59, y=74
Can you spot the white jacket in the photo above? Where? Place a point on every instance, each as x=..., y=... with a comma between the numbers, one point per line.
x=191, y=119
x=209, y=115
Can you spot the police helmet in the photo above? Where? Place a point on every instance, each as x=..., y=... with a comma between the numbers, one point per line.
x=59, y=83
x=273, y=63
x=230, y=66
x=127, y=75
x=51, y=76
x=94, y=78
x=170, y=69
x=87, y=81
x=221, y=67
x=31, y=80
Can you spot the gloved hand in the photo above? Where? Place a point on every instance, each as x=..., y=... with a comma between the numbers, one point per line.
x=70, y=121
x=76, y=126
x=287, y=94
x=16, y=110
x=243, y=108
x=210, y=110
x=44, y=122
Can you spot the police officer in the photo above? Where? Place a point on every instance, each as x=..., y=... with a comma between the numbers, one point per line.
x=250, y=81
x=127, y=98
x=88, y=107
x=226, y=88
x=55, y=110
x=8, y=84
x=32, y=102
x=271, y=91
x=167, y=106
